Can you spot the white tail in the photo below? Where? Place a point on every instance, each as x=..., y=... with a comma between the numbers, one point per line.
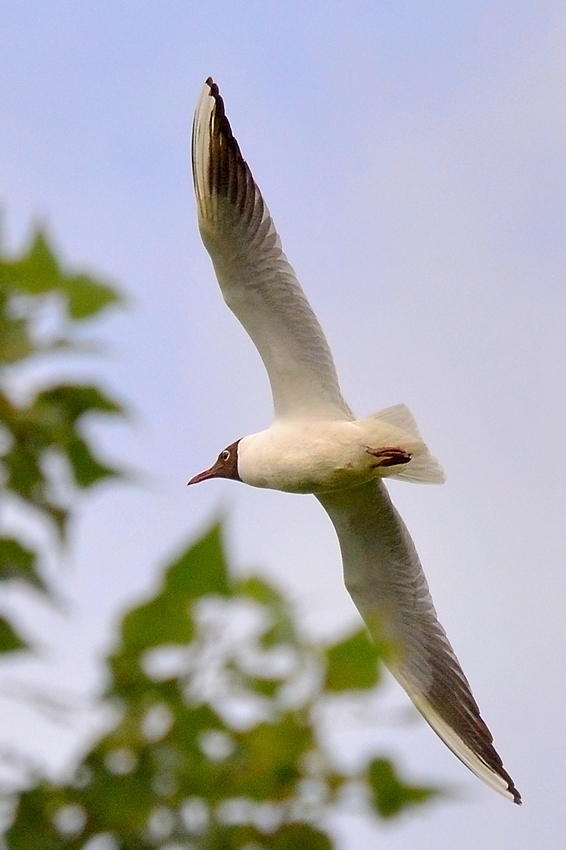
x=396, y=426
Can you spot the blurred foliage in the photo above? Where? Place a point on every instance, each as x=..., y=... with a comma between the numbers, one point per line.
x=45, y=456
x=216, y=744
x=217, y=697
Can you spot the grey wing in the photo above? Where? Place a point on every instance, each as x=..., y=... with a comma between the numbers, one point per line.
x=384, y=576
x=256, y=280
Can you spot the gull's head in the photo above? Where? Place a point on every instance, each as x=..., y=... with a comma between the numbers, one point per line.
x=225, y=466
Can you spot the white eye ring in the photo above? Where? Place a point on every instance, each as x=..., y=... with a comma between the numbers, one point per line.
x=225, y=455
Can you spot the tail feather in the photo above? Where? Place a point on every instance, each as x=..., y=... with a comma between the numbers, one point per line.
x=396, y=426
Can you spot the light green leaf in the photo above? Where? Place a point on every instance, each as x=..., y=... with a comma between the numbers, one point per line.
x=268, y=760
x=87, y=297
x=352, y=664
x=166, y=618
x=260, y=590
x=38, y=272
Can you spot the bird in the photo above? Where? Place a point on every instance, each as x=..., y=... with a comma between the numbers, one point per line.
x=316, y=445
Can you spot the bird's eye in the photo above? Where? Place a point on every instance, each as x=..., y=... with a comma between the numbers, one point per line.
x=225, y=455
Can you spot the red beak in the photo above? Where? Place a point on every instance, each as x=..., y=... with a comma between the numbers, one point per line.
x=203, y=476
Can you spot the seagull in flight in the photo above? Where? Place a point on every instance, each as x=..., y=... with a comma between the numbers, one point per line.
x=316, y=445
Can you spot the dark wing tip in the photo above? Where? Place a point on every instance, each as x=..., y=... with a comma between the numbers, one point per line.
x=451, y=697
x=221, y=125
x=229, y=175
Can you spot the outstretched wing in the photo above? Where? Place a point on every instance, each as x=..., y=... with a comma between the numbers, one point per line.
x=384, y=576
x=256, y=280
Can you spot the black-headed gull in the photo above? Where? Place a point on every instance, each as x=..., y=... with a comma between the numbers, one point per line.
x=316, y=445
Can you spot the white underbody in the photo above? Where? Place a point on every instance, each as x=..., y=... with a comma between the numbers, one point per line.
x=313, y=456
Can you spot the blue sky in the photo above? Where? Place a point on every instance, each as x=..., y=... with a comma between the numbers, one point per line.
x=413, y=158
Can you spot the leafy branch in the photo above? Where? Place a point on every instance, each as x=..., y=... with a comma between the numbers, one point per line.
x=216, y=744
x=44, y=454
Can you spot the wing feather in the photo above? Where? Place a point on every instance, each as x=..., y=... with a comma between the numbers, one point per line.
x=384, y=576
x=256, y=280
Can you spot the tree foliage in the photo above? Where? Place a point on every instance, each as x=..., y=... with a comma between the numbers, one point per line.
x=45, y=456
x=217, y=744
x=217, y=695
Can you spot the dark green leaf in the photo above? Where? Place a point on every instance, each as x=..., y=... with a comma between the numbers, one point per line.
x=86, y=468
x=231, y=838
x=19, y=563
x=264, y=686
x=352, y=664
x=201, y=569
x=36, y=807
x=68, y=402
x=15, y=340
x=23, y=472
x=9, y=639
x=390, y=794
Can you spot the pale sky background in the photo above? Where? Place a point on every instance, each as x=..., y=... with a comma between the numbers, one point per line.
x=413, y=155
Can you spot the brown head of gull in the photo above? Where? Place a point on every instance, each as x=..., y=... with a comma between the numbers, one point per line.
x=316, y=445
x=225, y=466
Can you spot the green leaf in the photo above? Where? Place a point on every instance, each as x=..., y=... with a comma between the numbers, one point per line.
x=49, y=426
x=352, y=664
x=87, y=297
x=268, y=760
x=86, y=468
x=22, y=468
x=33, y=827
x=293, y=836
x=260, y=590
x=18, y=563
x=166, y=618
x=161, y=622
x=390, y=794
x=224, y=837
x=15, y=339
x=201, y=569
x=10, y=641
x=68, y=402
x=38, y=272
x=264, y=686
